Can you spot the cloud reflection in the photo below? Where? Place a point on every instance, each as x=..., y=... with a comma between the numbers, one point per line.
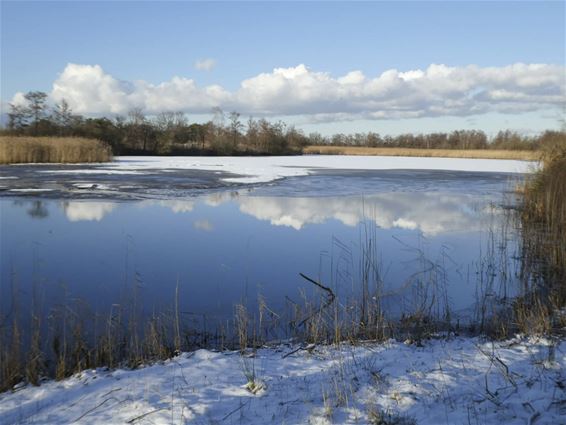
x=204, y=225
x=87, y=211
x=432, y=213
x=178, y=206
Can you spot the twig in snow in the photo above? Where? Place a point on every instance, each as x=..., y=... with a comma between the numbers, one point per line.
x=235, y=410
x=296, y=350
x=137, y=418
x=534, y=417
x=308, y=348
x=496, y=361
x=94, y=408
x=110, y=392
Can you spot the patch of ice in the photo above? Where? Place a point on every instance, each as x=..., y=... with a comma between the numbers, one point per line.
x=265, y=169
x=90, y=171
x=96, y=186
x=31, y=190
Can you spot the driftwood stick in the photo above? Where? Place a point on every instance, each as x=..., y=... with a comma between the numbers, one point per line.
x=330, y=297
x=321, y=286
x=292, y=352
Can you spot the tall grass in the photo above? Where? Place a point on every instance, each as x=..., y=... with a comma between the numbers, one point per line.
x=543, y=226
x=440, y=153
x=18, y=150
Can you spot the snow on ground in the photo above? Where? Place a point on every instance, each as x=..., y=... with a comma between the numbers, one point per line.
x=265, y=169
x=457, y=381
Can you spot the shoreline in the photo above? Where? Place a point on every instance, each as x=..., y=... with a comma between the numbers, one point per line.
x=186, y=176
x=442, y=380
x=424, y=153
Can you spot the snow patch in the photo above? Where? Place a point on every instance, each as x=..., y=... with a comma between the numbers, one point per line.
x=444, y=381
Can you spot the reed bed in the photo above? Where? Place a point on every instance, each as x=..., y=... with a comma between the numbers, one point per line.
x=543, y=225
x=440, y=153
x=63, y=150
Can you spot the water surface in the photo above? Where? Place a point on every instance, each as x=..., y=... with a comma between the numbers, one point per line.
x=225, y=247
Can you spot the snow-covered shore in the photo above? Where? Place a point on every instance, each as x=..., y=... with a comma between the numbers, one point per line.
x=456, y=381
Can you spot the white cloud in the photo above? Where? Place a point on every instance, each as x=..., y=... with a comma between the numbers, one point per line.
x=438, y=90
x=19, y=99
x=207, y=64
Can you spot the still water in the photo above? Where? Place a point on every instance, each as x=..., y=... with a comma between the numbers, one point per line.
x=222, y=248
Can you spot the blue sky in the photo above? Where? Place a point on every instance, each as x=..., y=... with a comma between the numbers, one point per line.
x=156, y=41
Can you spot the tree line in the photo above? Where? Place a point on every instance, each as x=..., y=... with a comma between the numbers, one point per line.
x=171, y=133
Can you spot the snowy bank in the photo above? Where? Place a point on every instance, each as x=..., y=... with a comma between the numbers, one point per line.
x=458, y=381
x=265, y=169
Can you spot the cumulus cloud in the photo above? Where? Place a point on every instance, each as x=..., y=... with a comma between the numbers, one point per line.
x=19, y=99
x=207, y=64
x=438, y=90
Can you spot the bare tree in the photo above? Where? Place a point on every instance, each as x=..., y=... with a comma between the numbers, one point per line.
x=235, y=127
x=37, y=105
x=18, y=117
x=218, y=117
x=63, y=117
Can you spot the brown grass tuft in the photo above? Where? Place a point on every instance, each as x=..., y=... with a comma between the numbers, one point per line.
x=21, y=150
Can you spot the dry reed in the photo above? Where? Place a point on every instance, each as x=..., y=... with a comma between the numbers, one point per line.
x=20, y=150
x=543, y=227
x=440, y=153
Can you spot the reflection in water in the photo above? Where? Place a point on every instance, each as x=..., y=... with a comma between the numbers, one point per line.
x=226, y=244
x=86, y=211
x=177, y=206
x=431, y=213
x=219, y=198
x=36, y=209
x=205, y=225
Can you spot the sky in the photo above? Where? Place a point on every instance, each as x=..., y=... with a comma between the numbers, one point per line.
x=389, y=67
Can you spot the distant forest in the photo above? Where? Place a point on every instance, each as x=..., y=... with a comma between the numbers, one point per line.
x=170, y=133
